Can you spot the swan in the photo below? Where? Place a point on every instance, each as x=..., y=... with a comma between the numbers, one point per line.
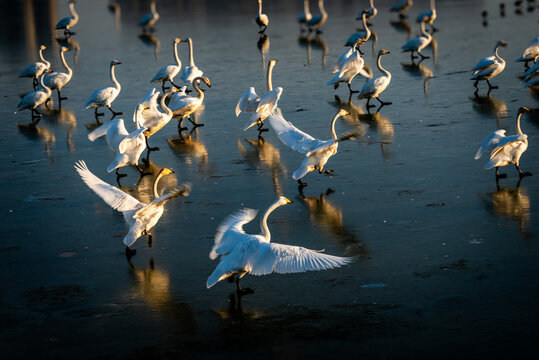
x=261, y=19
x=69, y=21
x=532, y=81
x=105, y=96
x=192, y=71
x=418, y=43
x=428, y=16
x=489, y=67
x=148, y=21
x=35, y=98
x=376, y=86
x=531, y=53
x=351, y=67
x=363, y=34
x=317, y=152
x=139, y=216
x=371, y=12
x=505, y=150
x=156, y=122
x=531, y=72
x=56, y=80
x=184, y=107
x=36, y=69
x=167, y=73
x=150, y=105
x=401, y=7
x=249, y=100
x=254, y=254
x=129, y=146
x=305, y=16
x=318, y=20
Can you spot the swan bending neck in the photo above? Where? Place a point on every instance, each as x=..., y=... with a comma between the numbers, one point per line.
x=62, y=56
x=519, y=130
x=155, y=182
x=382, y=70
x=176, y=57
x=269, y=75
x=191, y=60
x=43, y=59
x=113, y=77
x=164, y=106
x=264, y=221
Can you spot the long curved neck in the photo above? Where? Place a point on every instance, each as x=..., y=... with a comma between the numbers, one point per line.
x=333, y=121
x=372, y=5
x=47, y=90
x=264, y=221
x=306, y=6
x=259, y=7
x=496, y=54
x=152, y=8
x=62, y=56
x=155, y=182
x=268, y=76
x=432, y=5
x=519, y=130
x=321, y=7
x=424, y=32
x=73, y=12
x=197, y=89
x=364, y=17
x=191, y=60
x=136, y=117
x=176, y=57
x=43, y=59
x=164, y=106
x=382, y=70
x=113, y=77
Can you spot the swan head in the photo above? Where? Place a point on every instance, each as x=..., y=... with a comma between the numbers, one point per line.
x=42, y=47
x=114, y=63
x=358, y=42
x=203, y=78
x=523, y=110
x=165, y=171
x=273, y=62
x=383, y=52
x=342, y=112
x=64, y=49
x=177, y=40
x=501, y=43
x=281, y=200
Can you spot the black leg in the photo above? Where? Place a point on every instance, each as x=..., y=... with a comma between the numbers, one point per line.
x=352, y=91
x=368, y=104
x=241, y=291
x=142, y=172
x=114, y=113
x=327, y=172
x=118, y=175
x=490, y=86
x=194, y=123
x=60, y=98
x=383, y=102
x=498, y=175
x=180, y=128
x=423, y=56
x=522, y=173
x=97, y=115
x=148, y=145
x=129, y=253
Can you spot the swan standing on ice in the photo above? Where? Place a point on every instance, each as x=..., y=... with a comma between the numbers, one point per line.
x=36, y=69
x=69, y=21
x=317, y=152
x=401, y=7
x=186, y=106
x=56, y=80
x=129, y=146
x=318, y=20
x=505, y=150
x=254, y=254
x=305, y=16
x=34, y=99
x=148, y=21
x=428, y=16
x=418, y=43
x=531, y=53
x=261, y=19
x=363, y=34
x=192, y=71
x=105, y=96
x=376, y=86
x=167, y=73
x=139, y=216
x=489, y=67
x=352, y=66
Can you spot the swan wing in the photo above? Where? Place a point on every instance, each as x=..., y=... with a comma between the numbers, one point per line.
x=31, y=99
x=102, y=130
x=55, y=79
x=183, y=103
x=248, y=102
x=372, y=86
x=507, y=140
x=64, y=22
x=101, y=96
x=342, y=60
x=189, y=73
x=291, y=136
x=152, y=207
x=134, y=140
x=229, y=232
x=268, y=104
x=484, y=63
x=150, y=99
x=285, y=259
x=490, y=143
x=114, y=197
x=165, y=72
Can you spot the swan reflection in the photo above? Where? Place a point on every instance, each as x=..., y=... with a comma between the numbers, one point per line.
x=263, y=44
x=150, y=39
x=419, y=69
x=489, y=106
x=190, y=149
x=115, y=8
x=402, y=26
x=313, y=43
x=44, y=135
x=72, y=45
x=64, y=118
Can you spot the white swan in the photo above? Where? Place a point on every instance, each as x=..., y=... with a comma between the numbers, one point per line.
x=184, y=107
x=148, y=21
x=317, y=152
x=139, y=216
x=34, y=99
x=167, y=73
x=489, y=67
x=261, y=19
x=532, y=81
x=254, y=253
x=531, y=53
x=401, y=7
x=371, y=12
x=350, y=68
x=249, y=100
x=318, y=20
x=56, y=80
x=105, y=96
x=363, y=34
x=305, y=16
x=428, y=16
x=129, y=146
x=376, y=86
x=150, y=105
x=418, y=43
x=36, y=69
x=157, y=121
x=69, y=21
x=192, y=71
x=505, y=150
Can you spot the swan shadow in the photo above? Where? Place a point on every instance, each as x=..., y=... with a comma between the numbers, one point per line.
x=421, y=70
x=190, y=149
x=72, y=45
x=63, y=117
x=151, y=40
x=489, y=105
x=403, y=27
x=263, y=45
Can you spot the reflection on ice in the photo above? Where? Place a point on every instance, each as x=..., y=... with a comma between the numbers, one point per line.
x=190, y=149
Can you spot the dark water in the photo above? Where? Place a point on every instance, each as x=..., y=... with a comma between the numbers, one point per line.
x=446, y=257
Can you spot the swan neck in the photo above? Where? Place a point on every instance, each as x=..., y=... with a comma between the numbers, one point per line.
x=321, y=7
x=259, y=7
x=43, y=59
x=306, y=6
x=136, y=115
x=432, y=5
x=164, y=106
x=264, y=221
x=333, y=133
x=496, y=53
x=47, y=90
x=62, y=56
x=196, y=86
x=113, y=77
x=152, y=7
x=72, y=10
x=382, y=70
x=155, y=182
x=269, y=76
x=424, y=32
x=364, y=18
x=372, y=5
x=176, y=57
x=191, y=60
x=519, y=130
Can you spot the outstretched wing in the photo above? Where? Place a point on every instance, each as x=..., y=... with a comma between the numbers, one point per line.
x=507, y=140
x=490, y=143
x=291, y=136
x=114, y=197
x=223, y=244
x=248, y=102
x=131, y=140
x=284, y=259
x=184, y=190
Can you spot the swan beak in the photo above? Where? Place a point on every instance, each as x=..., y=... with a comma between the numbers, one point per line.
x=288, y=201
x=523, y=110
x=177, y=40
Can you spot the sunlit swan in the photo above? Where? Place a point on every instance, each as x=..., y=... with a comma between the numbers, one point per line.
x=531, y=72
x=56, y=80
x=532, y=82
x=418, y=43
x=129, y=146
x=531, y=53
x=261, y=19
x=69, y=21
x=105, y=96
x=351, y=67
x=154, y=123
x=318, y=20
x=148, y=21
x=249, y=100
x=184, y=107
x=167, y=73
x=363, y=34
x=150, y=105
x=192, y=71
x=373, y=88
x=34, y=99
x=428, y=16
x=317, y=152
x=371, y=12
x=505, y=150
x=36, y=69
x=139, y=216
x=489, y=67
x=305, y=16
x=401, y=7
x=254, y=254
